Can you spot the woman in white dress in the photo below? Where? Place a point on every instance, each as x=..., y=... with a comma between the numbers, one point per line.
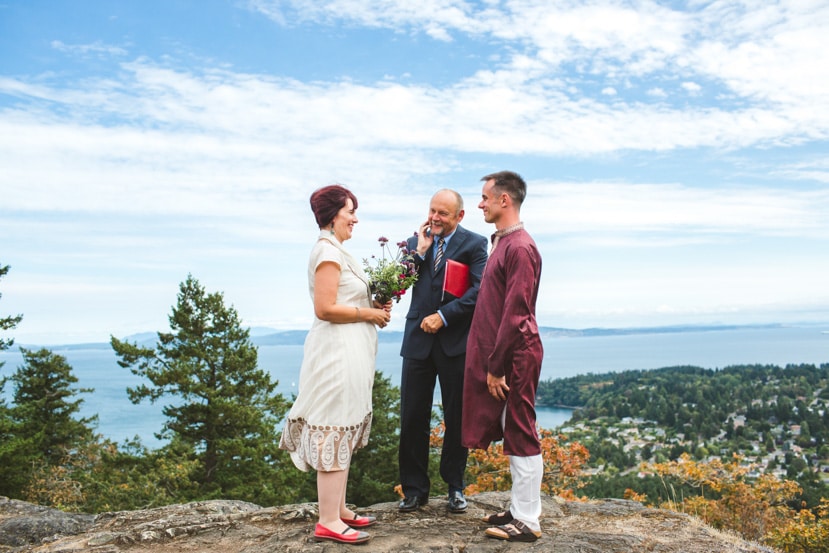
x=331, y=416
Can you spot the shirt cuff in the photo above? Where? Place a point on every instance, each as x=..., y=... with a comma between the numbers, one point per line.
x=442, y=318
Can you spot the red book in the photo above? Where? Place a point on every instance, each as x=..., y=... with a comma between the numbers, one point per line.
x=455, y=278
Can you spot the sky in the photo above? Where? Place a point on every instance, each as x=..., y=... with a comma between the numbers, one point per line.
x=676, y=153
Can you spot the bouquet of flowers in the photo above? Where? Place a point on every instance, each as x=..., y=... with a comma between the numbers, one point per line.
x=391, y=276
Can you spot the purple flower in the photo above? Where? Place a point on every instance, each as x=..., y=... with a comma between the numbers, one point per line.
x=390, y=275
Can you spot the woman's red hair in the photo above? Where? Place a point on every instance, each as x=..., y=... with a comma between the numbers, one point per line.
x=328, y=200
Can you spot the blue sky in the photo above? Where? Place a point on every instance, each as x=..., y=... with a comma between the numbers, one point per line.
x=676, y=153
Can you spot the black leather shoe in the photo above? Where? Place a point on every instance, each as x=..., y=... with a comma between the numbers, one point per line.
x=412, y=503
x=457, y=502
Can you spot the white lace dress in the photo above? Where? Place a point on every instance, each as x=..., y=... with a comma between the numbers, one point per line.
x=331, y=416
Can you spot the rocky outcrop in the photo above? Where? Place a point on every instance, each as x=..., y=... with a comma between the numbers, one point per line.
x=605, y=526
x=23, y=524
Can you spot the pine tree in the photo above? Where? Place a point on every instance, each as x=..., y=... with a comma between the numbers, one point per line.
x=43, y=424
x=223, y=407
x=7, y=323
x=374, y=473
x=6, y=435
x=44, y=408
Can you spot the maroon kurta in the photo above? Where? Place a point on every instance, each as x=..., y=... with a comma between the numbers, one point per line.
x=504, y=341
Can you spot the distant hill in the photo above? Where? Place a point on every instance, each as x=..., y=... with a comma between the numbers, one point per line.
x=551, y=331
x=284, y=338
x=264, y=336
x=297, y=337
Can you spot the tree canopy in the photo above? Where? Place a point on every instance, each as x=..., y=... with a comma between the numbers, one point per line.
x=42, y=424
x=223, y=408
x=8, y=322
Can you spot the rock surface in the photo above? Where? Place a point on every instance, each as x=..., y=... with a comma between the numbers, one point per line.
x=599, y=526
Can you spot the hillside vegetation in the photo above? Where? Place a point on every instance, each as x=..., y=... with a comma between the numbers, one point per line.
x=744, y=448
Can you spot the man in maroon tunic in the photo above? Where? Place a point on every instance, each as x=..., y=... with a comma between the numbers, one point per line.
x=503, y=359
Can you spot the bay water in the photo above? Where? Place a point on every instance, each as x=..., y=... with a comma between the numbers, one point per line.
x=565, y=355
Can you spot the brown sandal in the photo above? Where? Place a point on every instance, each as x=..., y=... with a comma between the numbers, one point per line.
x=499, y=519
x=514, y=531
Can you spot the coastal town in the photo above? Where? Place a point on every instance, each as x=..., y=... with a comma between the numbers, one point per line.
x=772, y=420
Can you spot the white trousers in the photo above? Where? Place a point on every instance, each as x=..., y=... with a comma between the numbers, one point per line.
x=525, y=498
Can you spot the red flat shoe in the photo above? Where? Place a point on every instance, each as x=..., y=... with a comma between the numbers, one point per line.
x=359, y=522
x=349, y=535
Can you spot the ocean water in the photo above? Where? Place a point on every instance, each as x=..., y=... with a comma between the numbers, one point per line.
x=120, y=419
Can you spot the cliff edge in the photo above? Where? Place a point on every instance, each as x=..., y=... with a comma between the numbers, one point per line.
x=598, y=526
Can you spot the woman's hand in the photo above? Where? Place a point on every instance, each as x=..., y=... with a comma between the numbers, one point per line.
x=386, y=306
x=379, y=316
x=326, y=308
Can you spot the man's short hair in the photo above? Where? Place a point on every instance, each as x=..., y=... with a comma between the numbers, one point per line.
x=511, y=183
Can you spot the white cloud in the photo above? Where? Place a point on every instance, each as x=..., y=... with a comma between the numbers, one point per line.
x=436, y=18
x=760, y=52
x=214, y=142
x=98, y=48
x=658, y=215
x=691, y=88
x=209, y=131
x=154, y=170
x=816, y=170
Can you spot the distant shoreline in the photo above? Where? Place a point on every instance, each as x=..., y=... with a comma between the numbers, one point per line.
x=567, y=353
x=274, y=337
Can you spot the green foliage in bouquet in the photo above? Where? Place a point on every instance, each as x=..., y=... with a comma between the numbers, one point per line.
x=391, y=275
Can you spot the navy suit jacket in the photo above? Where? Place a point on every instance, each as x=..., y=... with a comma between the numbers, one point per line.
x=465, y=247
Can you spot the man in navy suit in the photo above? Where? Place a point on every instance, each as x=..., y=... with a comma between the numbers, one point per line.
x=434, y=348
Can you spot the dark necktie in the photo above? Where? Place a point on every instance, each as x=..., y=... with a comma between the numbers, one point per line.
x=439, y=255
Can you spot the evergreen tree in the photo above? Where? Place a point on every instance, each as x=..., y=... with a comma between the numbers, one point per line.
x=44, y=409
x=374, y=472
x=7, y=323
x=224, y=409
x=43, y=427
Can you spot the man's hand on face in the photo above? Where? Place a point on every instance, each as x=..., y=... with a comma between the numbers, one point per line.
x=424, y=239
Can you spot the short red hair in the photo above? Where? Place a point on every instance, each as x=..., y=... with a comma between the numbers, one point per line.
x=328, y=200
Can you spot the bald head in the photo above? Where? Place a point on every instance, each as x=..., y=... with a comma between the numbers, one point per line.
x=445, y=212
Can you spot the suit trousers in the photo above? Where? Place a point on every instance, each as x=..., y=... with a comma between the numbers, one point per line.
x=417, y=387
